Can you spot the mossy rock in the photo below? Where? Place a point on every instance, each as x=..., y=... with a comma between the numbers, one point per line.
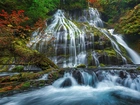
x=4, y=61
x=138, y=68
x=25, y=85
x=81, y=66
x=92, y=67
x=102, y=65
x=18, y=69
x=28, y=56
x=110, y=52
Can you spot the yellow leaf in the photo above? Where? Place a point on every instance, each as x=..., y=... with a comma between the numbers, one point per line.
x=9, y=25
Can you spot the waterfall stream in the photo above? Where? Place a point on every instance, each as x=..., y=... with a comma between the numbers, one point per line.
x=74, y=45
x=82, y=87
x=133, y=55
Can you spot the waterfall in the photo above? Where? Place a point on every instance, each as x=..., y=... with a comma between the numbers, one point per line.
x=133, y=55
x=96, y=59
x=73, y=40
x=91, y=16
x=99, y=79
x=67, y=80
x=69, y=40
x=114, y=44
x=94, y=20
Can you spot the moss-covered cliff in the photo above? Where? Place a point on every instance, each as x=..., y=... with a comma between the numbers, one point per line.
x=19, y=54
x=129, y=25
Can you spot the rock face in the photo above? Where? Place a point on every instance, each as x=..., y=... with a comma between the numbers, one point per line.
x=129, y=23
x=78, y=76
x=66, y=83
x=81, y=40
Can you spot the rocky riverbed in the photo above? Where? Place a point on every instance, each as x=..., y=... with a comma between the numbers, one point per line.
x=13, y=83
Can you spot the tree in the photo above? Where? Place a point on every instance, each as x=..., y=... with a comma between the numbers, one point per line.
x=13, y=23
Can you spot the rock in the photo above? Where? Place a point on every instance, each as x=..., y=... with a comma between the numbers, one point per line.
x=78, y=76
x=122, y=74
x=67, y=83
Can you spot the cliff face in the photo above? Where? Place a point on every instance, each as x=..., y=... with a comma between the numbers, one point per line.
x=129, y=22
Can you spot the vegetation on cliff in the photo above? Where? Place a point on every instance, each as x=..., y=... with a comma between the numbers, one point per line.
x=129, y=25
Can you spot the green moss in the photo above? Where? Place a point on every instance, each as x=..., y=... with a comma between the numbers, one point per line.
x=110, y=52
x=81, y=66
x=14, y=78
x=129, y=23
x=89, y=58
x=138, y=68
x=27, y=80
x=18, y=69
x=92, y=67
x=29, y=76
x=102, y=65
x=25, y=85
x=4, y=61
x=30, y=56
x=54, y=75
x=100, y=52
x=96, y=43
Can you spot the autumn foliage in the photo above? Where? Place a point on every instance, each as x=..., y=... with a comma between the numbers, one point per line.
x=92, y=1
x=39, y=24
x=14, y=19
x=12, y=24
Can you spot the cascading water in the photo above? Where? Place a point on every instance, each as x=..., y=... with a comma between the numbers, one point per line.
x=114, y=44
x=133, y=55
x=94, y=20
x=84, y=87
x=99, y=78
x=96, y=58
x=92, y=16
x=69, y=41
x=72, y=46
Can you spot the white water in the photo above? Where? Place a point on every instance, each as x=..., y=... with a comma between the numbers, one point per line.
x=69, y=36
x=94, y=20
x=133, y=55
x=69, y=40
x=44, y=77
x=92, y=16
x=100, y=79
x=114, y=44
x=106, y=91
x=71, y=44
x=96, y=59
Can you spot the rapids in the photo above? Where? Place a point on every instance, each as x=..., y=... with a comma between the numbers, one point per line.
x=104, y=89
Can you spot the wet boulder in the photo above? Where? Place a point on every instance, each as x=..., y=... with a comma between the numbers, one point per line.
x=78, y=76
x=67, y=83
x=122, y=74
